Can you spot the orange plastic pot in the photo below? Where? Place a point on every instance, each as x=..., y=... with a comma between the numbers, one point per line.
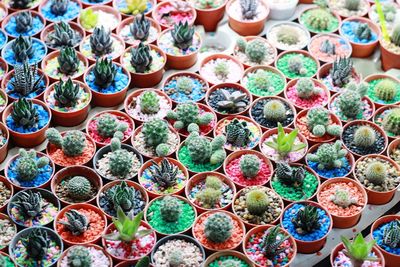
x=50, y=20
x=340, y=247
x=3, y=65
x=130, y=20
x=382, y=76
x=65, y=254
x=4, y=148
x=50, y=28
x=364, y=99
x=378, y=112
x=10, y=187
x=156, y=15
x=392, y=146
x=389, y=60
x=210, y=17
x=27, y=139
x=304, y=53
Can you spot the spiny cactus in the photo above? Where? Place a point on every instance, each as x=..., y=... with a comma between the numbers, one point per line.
x=170, y=209
x=23, y=21
x=232, y=102
x=73, y=143
x=59, y=7
x=275, y=110
x=288, y=35
x=272, y=242
x=36, y=243
x=386, y=89
x=350, y=101
x=237, y=133
x=363, y=31
x=187, y=114
x=218, y=227
x=241, y=44
x=288, y=175
x=109, y=126
x=29, y=203
x=261, y=80
x=257, y=201
x=77, y=223
x=122, y=196
x=149, y=102
x=63, y=36
x=176, y=258
x=164, y=174
x=24, y=113
x=352, y=5
x=306, y=220
x=26, y=79
x=155, y=133
x=211, y=195
x=120, y=161
x=327, y=47
x=248, y=8
x=22, y=48
x=101, y=42
x=182, y=34
x=319, y=124
x=66, y=93
x=395, y=37
x=184, y=84
x=319, y=19
x=141, y=58
x=79, y=188
x=376, y=172
x=68, y=61
x=295, y=65
x=343, y=198
x=79, y=256
x=221, y=69
x=28, y=164
x=250, y=165
x=306, y=88
x=391, y=234
x=140, y=28
x=328, y=156
x=391, y=121
x=104, y=72
x=364, y=136
x=341, y=71
x=256, y=50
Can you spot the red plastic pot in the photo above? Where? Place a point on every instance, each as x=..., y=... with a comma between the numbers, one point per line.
x=340, y=247
x=210, y=17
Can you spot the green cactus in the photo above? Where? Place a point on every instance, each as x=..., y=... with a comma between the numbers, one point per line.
x=363, y=31
x=141, y=58
x=211, y=195
x=386, y=89
x=187, y=114
x=36, y=243
x=319, y=19
x=28, y=164
x=155, y=132
x=352, y=5
x=122, y=196
x=79, y=188
x=66, y=93
x=261, y=80
x=221, y=69
x=59, y=8
x=140, y=28
x=164, y=174
x=213, y=182
x=68, y=61
x=376, y=172
x=237, y=133
x=22, y=48
x=218, y=227
x=395, y=37
x=176, y=258
x=101, y=42
x=79, y=256
x=72, y=143
x=329, y=156
x=350, y=101
x=391, y=121
x=327, y=47
x=288, y=35
x=296, y=65
x=343, y=198
x=305, y=88
x=275, y=110
x=184, y=84
x=318, y=123
x=108, y=125
x=256, y=50
x=29, y=203
x=250, y=165
x=364, y=136
x=149, y=102
x=257, y=202
x=77, y=223
x=120, y=161
x=289, y=175
x=182, y=34
x=241, y=44
x=170, y=209
x=248, y=8
x=341, y=71
x=272, y=242
x=104, y=72
x=306, y=220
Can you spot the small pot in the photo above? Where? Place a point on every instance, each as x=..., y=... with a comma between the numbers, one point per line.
x=324, y=70
x=27, y=139
x=389, y=60
x=329, y=36
x=69, y=118
x=105, y=9
x=146, y=80
x=176, y=163
x=360, y=49
x=155, y=13
x=130, y=20
x=34, y=13
x=314, y=7
x=391, y=259
x=92, y=59
x=340, y=247
x=382, y=76
x=65, y=253
x=262, y=228
x=4, y=147
x=50, y=28
x=234, y=86
x=50, y=20
x=290, y=26
x=246, y=28
x=114, y=183
x=112, y=99
x=210, y=17
x=4, y=247
x=364, y=98
x=124, y=15
x=76, y=170
x=344, y=221
x=392, y=146
x=305, y=53
x=377, y=197
x=10, y=186
x=8, y=47
x=3, y=65
x=228, y=253
x=378, y=112
x=197, y=178
x=308, y=247
x=77, y=207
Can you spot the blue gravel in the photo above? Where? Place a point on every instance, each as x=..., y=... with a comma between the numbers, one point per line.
x=40, y=53
x=120, y=82
x=196, y=95
x=122, y=4
x=72, y=12
x=316, y=234
x=43, y=120
x=378, y=236
x=37, y=26
x=42, y=87
x=3, y=39
x=348, y=29
x=43, y=176
x=93, y=2
x=332, y=173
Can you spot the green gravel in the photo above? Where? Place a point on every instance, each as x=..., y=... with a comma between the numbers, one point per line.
x=186, y=160
x=277, y=83
x=308, y=62
x=305, y=191
x=234, y=260
x=184, y=222
x=375, y=99
x=333, y=23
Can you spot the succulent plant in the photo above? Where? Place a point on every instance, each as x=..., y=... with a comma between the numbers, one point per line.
x=101, y=42
x=122, y=196
x=24, y=113
x=22, y=48
x=288, y=35
x=221, y=69
x=63, y=36
x=232, y=102
x=296, y=65
x=241, y=44
x=66, y=93
x=343, y=198
x=187, y=114
x=141, y=58
x=149, y=102
x=26, y=79
x=327, y=47
x=395, y=37
x=306, y=220
x=341, y=71
x=391, y=121
x=248, y=8
x=376, y=172
x=164, y=174
x=319, y=19
x=288, y=175
x=386, y=89
x=79, y=188
x=250, y=165
x=88, y=18
x=262, y=81
x=284, y=143
x=218, y=227
x=364, y=136
x=28, y=164
x=363, y=31
x=20, y=4
x=77, y=223
x=155, y=133
x=237, y=133
x=211, y=195
x=352, y=5
x=182, y=34
x=68, y=61
x=318, y=122
x=170, y=209
x=108, y=125
x=79, y=256
x=23, y=21
x=275, y=110
x=359, y=250
x=134, y=7
x=73, y=143
x=256, y=50
x=29, y=203
x=120, y=160
x=328, y=156
x=272, y=242
x=140, y=28
x=306, y=88
x=143, y=262
x=391, y=234
x=257, y=202
x=59, y=7
x=350, y=101
x=104, y=72
x=36, y=243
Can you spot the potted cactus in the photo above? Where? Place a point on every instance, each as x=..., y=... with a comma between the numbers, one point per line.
x=320, y=19
x=60, y=10
x=254, y=51
x=288, y=36
x=297, y=64
x=263, y=81
x=84, y=254
x=209, y=13
x=383, y=89
x=24, y=49
x=6, y=192
x=387, y=117
x=328, y=47
x=172, y=12
x=349, y=8
x=62, y=34
x=23, y=23
x=221, y=68
x=389, y=44
x=69, y=148
x=138, y=28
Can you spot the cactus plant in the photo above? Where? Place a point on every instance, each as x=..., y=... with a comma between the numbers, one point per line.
x=363, y=31
x=63, y=36
x=327, y=47
x=104, y=72
x=23, y=21
x=305, y=88
x=391, y=234
x=275, y=110
x=364, y=136
x=250, y=165
x=241, y=44
x=318, y=122
x=221, y=69
x=120, y=160
x=59, y=7
x=386, y=89
x=184, y=84
x=22, y=48
x=187, y=114
x=79, y=256
x=296, y=65
x=26, y=80
x=170, y=209
x=164, y=174
x=288, y=36
x=29, y=203
x=350, y=101
x=248, y=8
x=72, y=143
x=141, y=58
x=66, y=93
x=140, y=28
x=319, y=19
x=290, y=175
x=29, y=165
x=256, y=50
x=79, y=188
x=341, y=71
x=343, y=198
x=329, y=156
x=109, y=126
x=391, y=121
x=395, y=37
x=232, y=102
x=284, y=143
x=24, y=113
x=182, y=34
x=218, y=227
x=257, y=202
x=88, y=18
x=262, y=81
x=306, y=220
x=237, y=133
x=352, y=5
x=149, y=102
x=68, y=61
x=77, y=223
x=36, y=243
x=272, y=242
x=155, y=133
x=376, y=172
x=134, y=7
x=211, y=195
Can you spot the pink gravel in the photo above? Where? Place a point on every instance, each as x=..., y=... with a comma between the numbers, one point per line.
x=233, y=171
x=319, y=100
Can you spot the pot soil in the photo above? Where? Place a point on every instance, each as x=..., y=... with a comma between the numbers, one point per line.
x=379, y=116
x=310, y=64
x=8, y=230
x=218, y=258
x=280, y=32
x=9, y=24
x=74, y=8
x=393, y=151
x=6, y=192
x=40, y=52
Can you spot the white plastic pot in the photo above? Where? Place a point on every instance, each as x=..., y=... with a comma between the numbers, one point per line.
x=281, y=9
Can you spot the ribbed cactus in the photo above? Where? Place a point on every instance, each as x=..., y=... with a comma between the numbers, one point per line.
x=306, y=88
x=241, y=44
x=364, y=136
x=72, y=143
x=391, y=121
x=343, y=198
x=155, y=133
x=108, y=125
x=376, y=172
x=328, y=156
x=248, y=8
x=257, y=201
x=221, y=69
x=218, y=227
x=170, y=209
x=350, y=101
x=288, y=35
x=79, y=256
x=296, y=65
x=319, y=124
x=188, y=113
x=274, y=110
x=76, y=223
x=211, y=195
x=250, y=165
x=28, y=165
x=386, y=89
x=79, y=188
x=120, y=161
x=149, y=102
x=256, y=50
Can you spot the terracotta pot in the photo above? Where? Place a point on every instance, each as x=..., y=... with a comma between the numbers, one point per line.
x=8, y=47
x=176, y=163
x=10, y=187
x=4, y=254
x=291, y=107
x=4, y=148
x=189, y=74
x=360, y=49
x=229, y=85
x=92, y=59
x=308, y=247
x=382, y=76
x=340, y=247
x=89, y=3
x=316, y=82
x=224, y=56
x=391, y=259
x=349, y=157
x=378, y=112
x=65, y=253
x=365, y=123
x=116, y=113
x=314, y=7
x=105, y=9
x=377, y=197
x=78, y=206
x=210, y=17
x=3, y=65
x=315, y=50
x=108, y=99
x=389, y=60
x=27, y=139
x=250, y=38
x=76, y=170
x=50, y=20
x=34, y=14
x=146, y=80
x=303, y=52
x=69, y=118
x=364, y=98
x=130, y=20
x=197, y=178
x=180, y=62
x=344, y=221
x=135, y=94
x=246, y=28
x=111, y=227
x=5, y=81
x=50, y=29
x=266, y=68
x=124, y=15
x=392, y=146
x=46, y=194
x=155, y=14
x=338, y=8
x=263, y=228
x=116, y=182
x=77, y=76
x=275, y=131
x=228, y=253
x=4, y=246
x=201, y=236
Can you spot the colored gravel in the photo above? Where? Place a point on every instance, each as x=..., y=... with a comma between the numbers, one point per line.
x=295, y=193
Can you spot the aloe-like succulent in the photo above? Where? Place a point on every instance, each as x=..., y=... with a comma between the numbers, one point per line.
x=24, y=113
x=59, y=7
x=63, y=36
x=101, y=42
x=140, y=28
x=182, y=34
x=23, y=21
x=141, y=58
x=104, y=72
x=66, y=93
x=68, y=61
x=88, y=18
x=22, y=48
